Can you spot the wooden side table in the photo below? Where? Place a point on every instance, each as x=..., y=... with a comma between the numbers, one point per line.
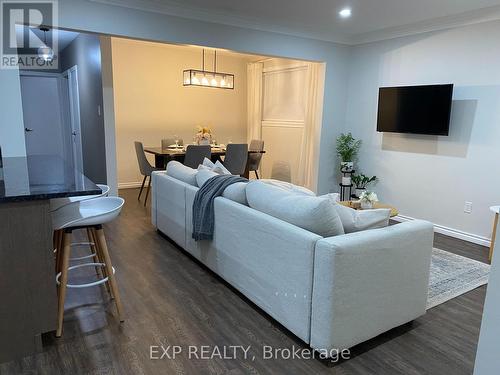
x=394, y=210
x=496, y=210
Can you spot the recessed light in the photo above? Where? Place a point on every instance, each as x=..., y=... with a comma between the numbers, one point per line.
x=345, y=13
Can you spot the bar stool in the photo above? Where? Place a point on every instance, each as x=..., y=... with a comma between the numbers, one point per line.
x=57, y=203
x=88, y=214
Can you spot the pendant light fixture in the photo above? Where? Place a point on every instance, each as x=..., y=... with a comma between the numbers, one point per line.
x=45, y=52
x=207, y=78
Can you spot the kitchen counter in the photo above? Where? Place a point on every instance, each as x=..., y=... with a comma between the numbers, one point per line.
x=28, y=306
x=41, y=177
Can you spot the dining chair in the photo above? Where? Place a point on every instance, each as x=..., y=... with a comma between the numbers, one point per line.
x=195, y=155
x=170, y=141
x=236, y=158
x=254, y=158
x=145, y=168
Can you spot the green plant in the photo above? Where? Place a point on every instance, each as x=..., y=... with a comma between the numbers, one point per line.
x=347, y=147
x=361, y=181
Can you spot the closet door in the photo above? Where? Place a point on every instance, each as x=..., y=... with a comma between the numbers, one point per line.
x=284, y=99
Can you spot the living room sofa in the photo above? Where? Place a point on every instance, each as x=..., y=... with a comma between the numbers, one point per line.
x=332, y=293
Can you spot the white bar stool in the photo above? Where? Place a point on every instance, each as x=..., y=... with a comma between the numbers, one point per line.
x=57, y=203
x=87, y=214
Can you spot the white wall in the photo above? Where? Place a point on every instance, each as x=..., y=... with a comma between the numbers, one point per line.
x=424, y=176
x=151, y=102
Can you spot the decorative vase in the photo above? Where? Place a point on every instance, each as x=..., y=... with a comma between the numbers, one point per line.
x=365, y=205
x=359, y=191
x=347, y=166
x=204, y=142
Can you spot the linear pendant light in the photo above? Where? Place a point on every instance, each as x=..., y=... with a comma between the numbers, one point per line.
x=207, y=78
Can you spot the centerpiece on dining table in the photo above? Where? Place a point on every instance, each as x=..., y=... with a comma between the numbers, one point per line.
x=203, y=136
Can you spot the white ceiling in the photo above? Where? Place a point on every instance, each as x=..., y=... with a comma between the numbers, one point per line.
x=371, y=19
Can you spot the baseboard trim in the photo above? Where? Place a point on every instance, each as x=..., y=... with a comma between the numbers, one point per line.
x=129, y=185
x=455, y=233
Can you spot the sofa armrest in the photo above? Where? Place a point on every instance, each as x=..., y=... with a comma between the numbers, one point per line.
x=369, y=282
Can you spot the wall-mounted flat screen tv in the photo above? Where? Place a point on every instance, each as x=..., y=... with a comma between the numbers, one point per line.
x=415, y=109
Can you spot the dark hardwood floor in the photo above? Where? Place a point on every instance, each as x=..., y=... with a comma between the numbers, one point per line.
x=170, y=299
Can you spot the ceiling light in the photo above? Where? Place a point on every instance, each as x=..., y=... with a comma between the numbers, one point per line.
x=45, y=52
x=208, y=78
x=345, y=13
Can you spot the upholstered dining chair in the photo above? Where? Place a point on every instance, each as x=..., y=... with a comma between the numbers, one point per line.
x=254, y=158
x=236, y=158
x=145, y=168
x=195, y=155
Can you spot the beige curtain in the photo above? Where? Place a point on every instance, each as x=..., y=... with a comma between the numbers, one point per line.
x=254, y=101
x=309, y=167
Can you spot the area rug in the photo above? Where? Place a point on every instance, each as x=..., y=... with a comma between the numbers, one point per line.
x=453, y=275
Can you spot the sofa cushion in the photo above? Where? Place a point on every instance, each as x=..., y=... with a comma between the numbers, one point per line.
x=317, y=215
x=358, y=220
x=288, y=186
x=237, y=193
x=181, y=172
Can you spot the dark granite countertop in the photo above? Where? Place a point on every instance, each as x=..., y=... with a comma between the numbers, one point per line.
x=41, y=177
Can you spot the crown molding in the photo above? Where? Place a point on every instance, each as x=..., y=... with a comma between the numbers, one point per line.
x=436, y=24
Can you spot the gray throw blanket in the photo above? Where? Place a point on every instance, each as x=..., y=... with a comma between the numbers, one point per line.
x=203, y=205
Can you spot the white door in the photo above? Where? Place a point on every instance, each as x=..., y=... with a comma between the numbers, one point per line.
x=42, y=111
x=71, y=77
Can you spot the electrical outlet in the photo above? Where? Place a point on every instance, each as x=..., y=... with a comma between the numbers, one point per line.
x=468, y=207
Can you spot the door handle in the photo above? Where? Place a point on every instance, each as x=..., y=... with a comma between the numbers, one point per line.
x=28, y=129
x=73, y=133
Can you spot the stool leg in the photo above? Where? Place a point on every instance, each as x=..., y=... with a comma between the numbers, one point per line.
x=109, y=270
x=493, y=237
x=63, y=280
x=93, y=248
x=101, y=260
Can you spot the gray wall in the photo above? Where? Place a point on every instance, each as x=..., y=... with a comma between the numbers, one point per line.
x=84, y=52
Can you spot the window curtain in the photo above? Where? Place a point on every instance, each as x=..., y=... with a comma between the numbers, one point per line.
x=254, y=101
x=309, y=167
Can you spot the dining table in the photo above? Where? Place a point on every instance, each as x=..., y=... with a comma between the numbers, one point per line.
x=164, y=155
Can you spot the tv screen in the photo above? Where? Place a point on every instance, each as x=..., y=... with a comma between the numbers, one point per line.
x=415, y=109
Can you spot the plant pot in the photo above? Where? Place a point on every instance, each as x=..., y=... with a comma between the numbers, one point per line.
x=359, y=191
x=347, y=166
x=204, y=142
x=365, y=205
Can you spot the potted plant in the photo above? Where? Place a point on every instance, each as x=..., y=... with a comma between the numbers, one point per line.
x=361, y=181
x=367, y=199
x=347, y=149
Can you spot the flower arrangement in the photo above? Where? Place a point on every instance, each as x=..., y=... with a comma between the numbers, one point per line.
x=203, y=135
x=367, y=199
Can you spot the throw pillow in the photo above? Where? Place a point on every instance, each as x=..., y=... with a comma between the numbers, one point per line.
x=203, y=175
x=358, y=220
x=219, y=168
x=237, y=193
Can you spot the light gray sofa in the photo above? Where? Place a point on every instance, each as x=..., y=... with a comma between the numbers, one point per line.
x=332, y=293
